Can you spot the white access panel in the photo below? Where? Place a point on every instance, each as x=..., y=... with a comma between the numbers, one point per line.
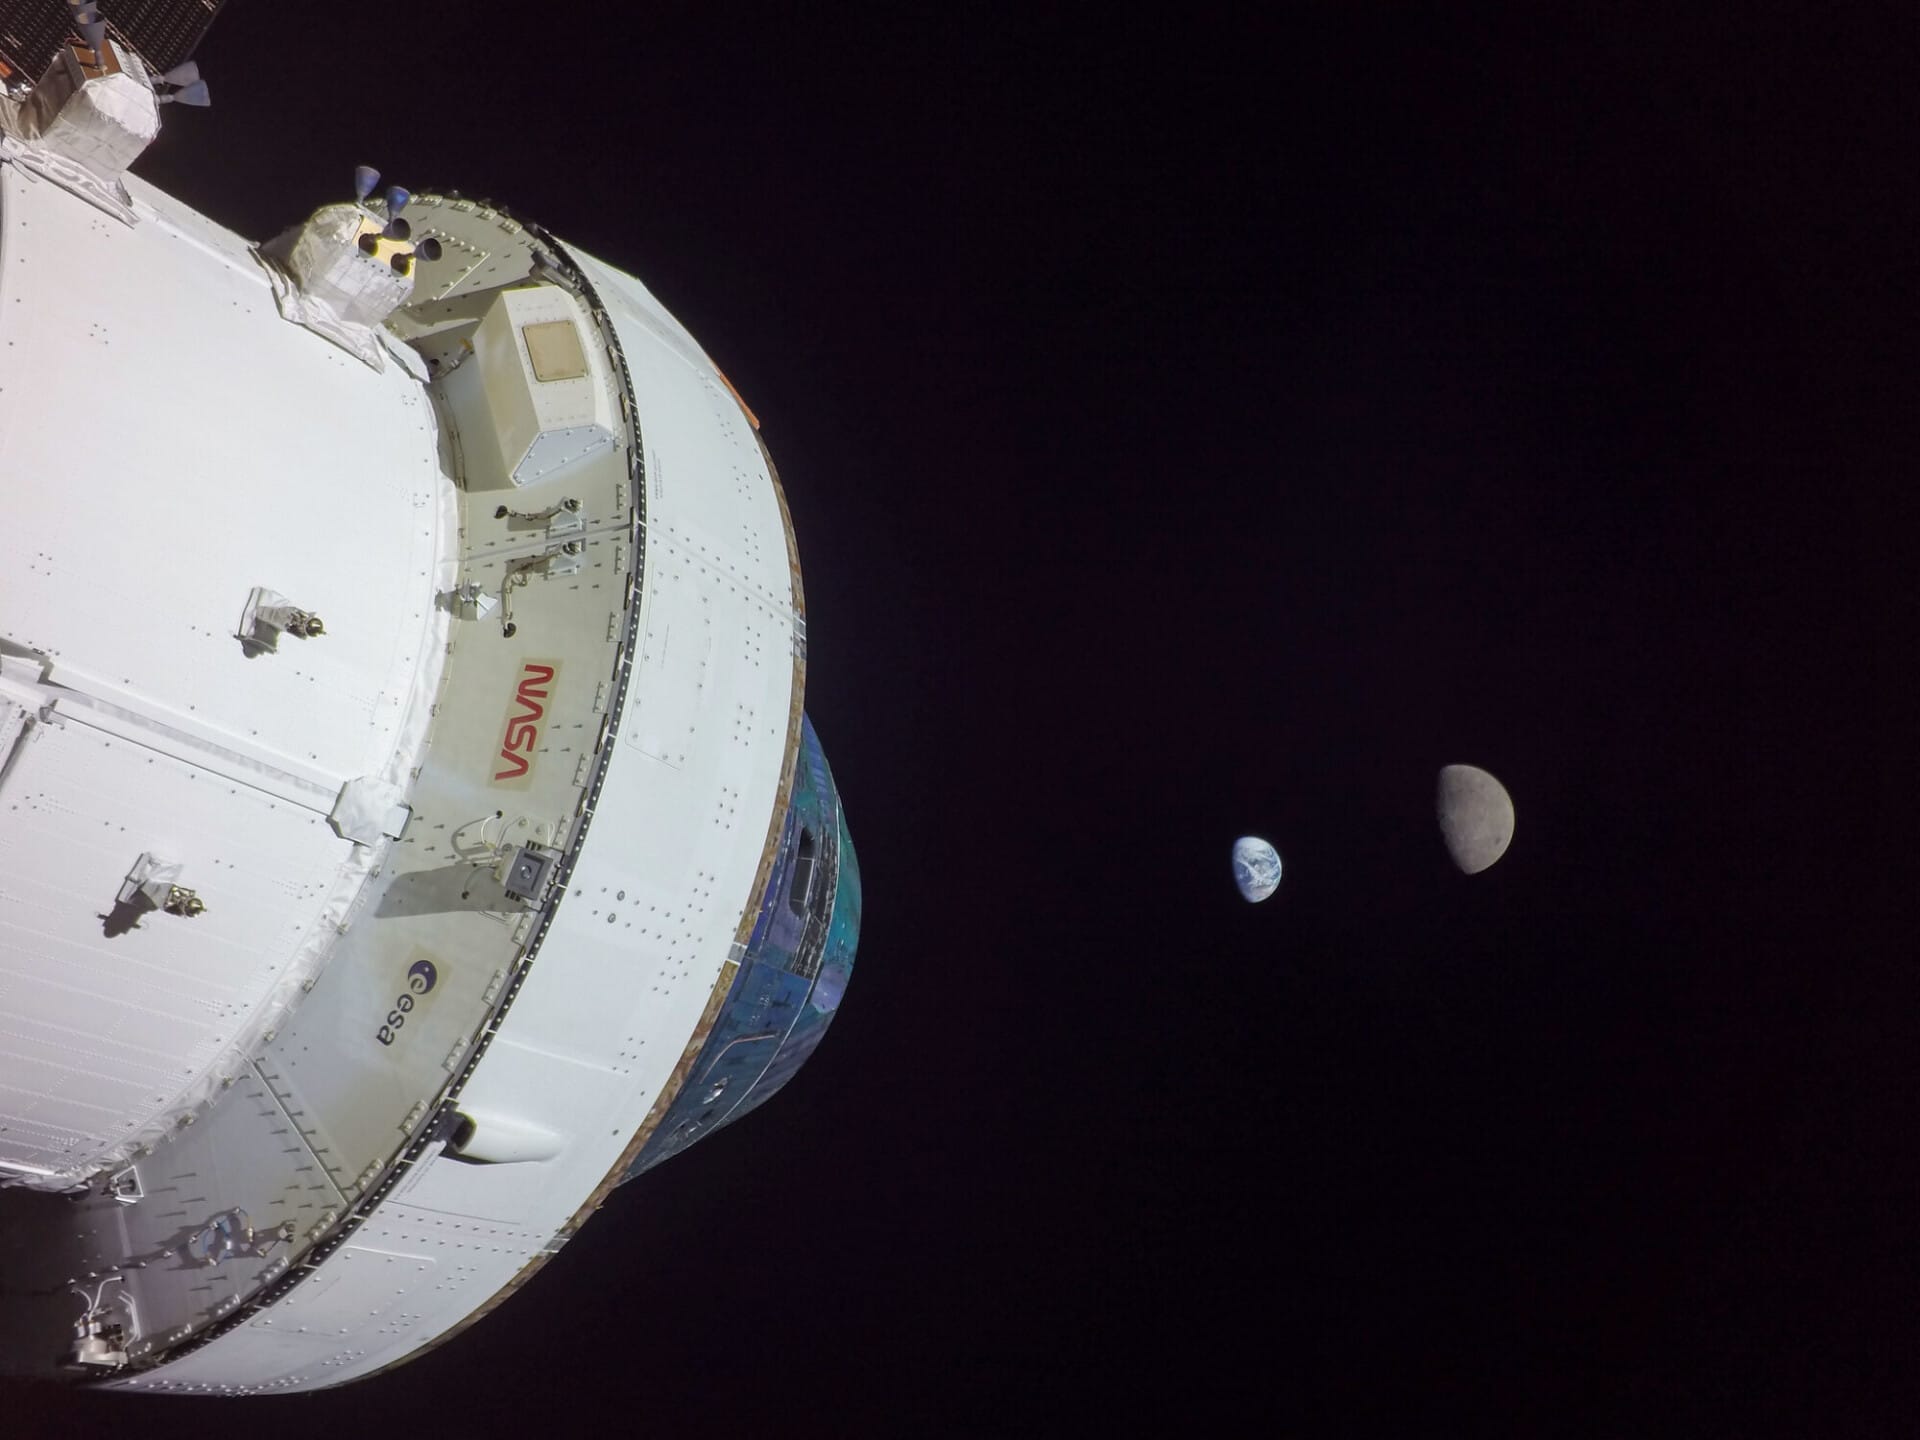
x=173, y=446
x=131, y=547
x=101, y=1033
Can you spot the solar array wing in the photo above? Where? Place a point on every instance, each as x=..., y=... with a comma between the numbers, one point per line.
x=164, y=32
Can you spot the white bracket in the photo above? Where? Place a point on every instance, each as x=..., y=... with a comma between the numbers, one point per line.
x=124, y=1186
x=369, y=810
x=471, y=601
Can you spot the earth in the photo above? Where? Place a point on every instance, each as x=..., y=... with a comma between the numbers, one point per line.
x=1256, y=867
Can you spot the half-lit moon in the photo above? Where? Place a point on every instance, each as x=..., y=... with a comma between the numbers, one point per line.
x=1476, y=817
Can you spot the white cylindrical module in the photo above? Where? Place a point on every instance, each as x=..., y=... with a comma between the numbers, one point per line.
x=408, y=794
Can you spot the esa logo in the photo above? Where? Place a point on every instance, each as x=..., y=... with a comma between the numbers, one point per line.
x=422, y=976
x=529, y=708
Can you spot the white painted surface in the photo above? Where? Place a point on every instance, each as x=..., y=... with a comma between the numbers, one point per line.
x=645, y=931
x=171, y=444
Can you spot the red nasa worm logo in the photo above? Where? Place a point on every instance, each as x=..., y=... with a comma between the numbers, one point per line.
x=524, y=716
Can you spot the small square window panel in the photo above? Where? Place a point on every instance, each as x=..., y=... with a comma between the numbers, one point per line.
x=553, y=346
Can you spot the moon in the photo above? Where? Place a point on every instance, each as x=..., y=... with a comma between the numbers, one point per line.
x=1476, y=817
x=1256, y=868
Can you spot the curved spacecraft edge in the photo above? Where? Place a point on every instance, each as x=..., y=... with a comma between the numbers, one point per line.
x=412, y=826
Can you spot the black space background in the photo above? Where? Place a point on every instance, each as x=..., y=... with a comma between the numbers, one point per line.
x=1194, y=427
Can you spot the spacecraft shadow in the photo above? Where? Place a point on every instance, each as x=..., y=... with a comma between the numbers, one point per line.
x=466, y=886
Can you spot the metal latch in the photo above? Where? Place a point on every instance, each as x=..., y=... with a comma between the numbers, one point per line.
x=268, y=615
x=153, y=884
x=530, y=873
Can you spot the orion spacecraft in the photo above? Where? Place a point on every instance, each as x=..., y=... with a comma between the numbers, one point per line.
x=410, y=828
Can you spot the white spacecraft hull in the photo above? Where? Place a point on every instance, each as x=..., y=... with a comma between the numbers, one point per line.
x=481, y=860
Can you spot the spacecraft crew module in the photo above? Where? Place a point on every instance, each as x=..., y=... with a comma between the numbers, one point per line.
x=411, y=828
